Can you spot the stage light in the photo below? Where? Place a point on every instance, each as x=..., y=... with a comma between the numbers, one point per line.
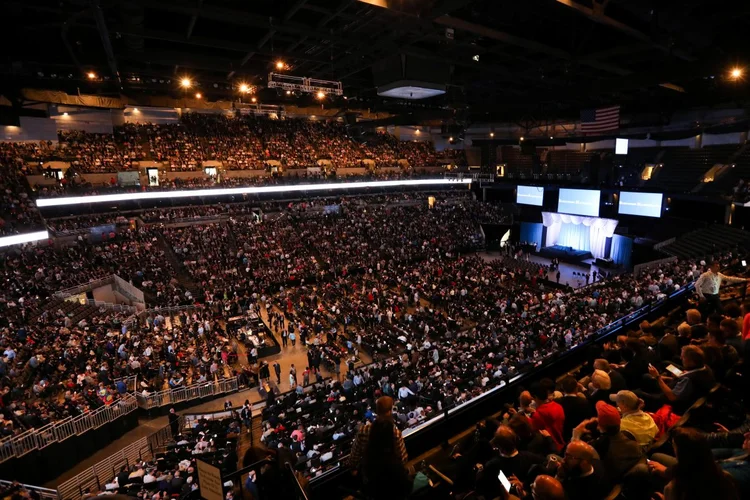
x=185, y=83
x=198, y=95
x=91, y=75
x=736, y=73
x=280, y=65
x=288, y=92
x=244, y=88
x=418, y=132
x=254, y=99
x=492, y=134
x=320, y=94
x=136, y=111
x=450, y=139
x=197, y=193
x=551, y=137
x=521, y=137
x=65, y=114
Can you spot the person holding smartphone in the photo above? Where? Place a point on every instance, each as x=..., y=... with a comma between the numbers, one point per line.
x=681, y=391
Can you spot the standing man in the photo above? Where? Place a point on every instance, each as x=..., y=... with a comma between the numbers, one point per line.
x=277, y=371
x=174, y=423
x=708, y=284
x=284, y=337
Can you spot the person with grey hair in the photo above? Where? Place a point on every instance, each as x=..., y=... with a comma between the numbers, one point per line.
x=600, y=387
x=634, y=420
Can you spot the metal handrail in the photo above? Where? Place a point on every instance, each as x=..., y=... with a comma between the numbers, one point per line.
x=187, y=393
x=55, y=432
x=44, y=493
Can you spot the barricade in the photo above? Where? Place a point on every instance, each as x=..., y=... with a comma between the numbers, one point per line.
x=36, y=439
x=44, y=493
x=189, y=393
x=97, y=476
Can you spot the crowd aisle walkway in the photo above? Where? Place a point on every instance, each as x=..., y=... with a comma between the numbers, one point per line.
x=289, y=355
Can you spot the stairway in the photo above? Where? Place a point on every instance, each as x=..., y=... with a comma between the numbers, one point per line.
x=231, y=241
x=181, y=273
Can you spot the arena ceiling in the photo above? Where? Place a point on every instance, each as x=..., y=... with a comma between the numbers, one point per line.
x=503, y=58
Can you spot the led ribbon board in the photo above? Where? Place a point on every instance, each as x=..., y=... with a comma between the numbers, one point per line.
x=191, y=193
x=18, y=239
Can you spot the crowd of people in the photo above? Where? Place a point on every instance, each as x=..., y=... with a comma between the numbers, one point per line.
x=574, y=439
x=242, y=142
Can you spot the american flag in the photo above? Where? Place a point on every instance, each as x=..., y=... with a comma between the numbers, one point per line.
x=600, y=120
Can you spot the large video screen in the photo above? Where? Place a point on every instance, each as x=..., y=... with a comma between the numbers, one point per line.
x=645, y=204
x=579, y=202
x=530, y=195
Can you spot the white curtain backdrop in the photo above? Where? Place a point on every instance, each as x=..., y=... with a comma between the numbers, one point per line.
x=599, y=230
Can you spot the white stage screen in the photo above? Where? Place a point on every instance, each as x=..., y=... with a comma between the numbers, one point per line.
x=530, y=195
x=621, y=146
x=579, y=202
x=645, y=204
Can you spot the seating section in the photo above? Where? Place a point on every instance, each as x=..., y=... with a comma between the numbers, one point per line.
x=568, y=162
x=683, y=168
x=708, y=241
x=242, y=143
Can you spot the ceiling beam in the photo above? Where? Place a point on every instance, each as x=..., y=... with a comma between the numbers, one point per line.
x=193, y=20
x=243, y=18
x=597, y=15
x=210, y=43
x=106, y=42
x=525, y=43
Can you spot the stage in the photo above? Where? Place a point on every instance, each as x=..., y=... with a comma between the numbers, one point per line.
x=570, y=274
x=565, y=254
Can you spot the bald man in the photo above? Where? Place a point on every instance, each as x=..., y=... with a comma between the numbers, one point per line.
x=547, y=488
x=582, y=474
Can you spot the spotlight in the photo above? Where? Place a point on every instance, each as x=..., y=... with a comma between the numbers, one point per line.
x=244, y=88
x=91, y=75
x=136, y=111
x=65, y=114
x=185, y=83
x=492, y=134
x=198, y=95
x=551, y=137
x=450, y=139
x=254, y=99
x=320, y=95
x=280, y=65
x=736, y=73
x=288, y=92
x=521, y=137
x=418, y=132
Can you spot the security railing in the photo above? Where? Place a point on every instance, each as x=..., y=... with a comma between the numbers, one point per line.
x=95, y=477
x=44, y=493
x=36, y=439
x=188, y=393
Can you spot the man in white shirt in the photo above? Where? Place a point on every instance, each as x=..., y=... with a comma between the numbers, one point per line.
x=707, y=286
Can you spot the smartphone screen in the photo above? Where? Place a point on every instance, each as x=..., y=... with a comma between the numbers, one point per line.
x=674, y=370
x=504, y=481
x=744, y=263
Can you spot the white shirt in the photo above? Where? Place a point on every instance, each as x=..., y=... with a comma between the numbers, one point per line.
x=709, y=282
x=404, y=393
